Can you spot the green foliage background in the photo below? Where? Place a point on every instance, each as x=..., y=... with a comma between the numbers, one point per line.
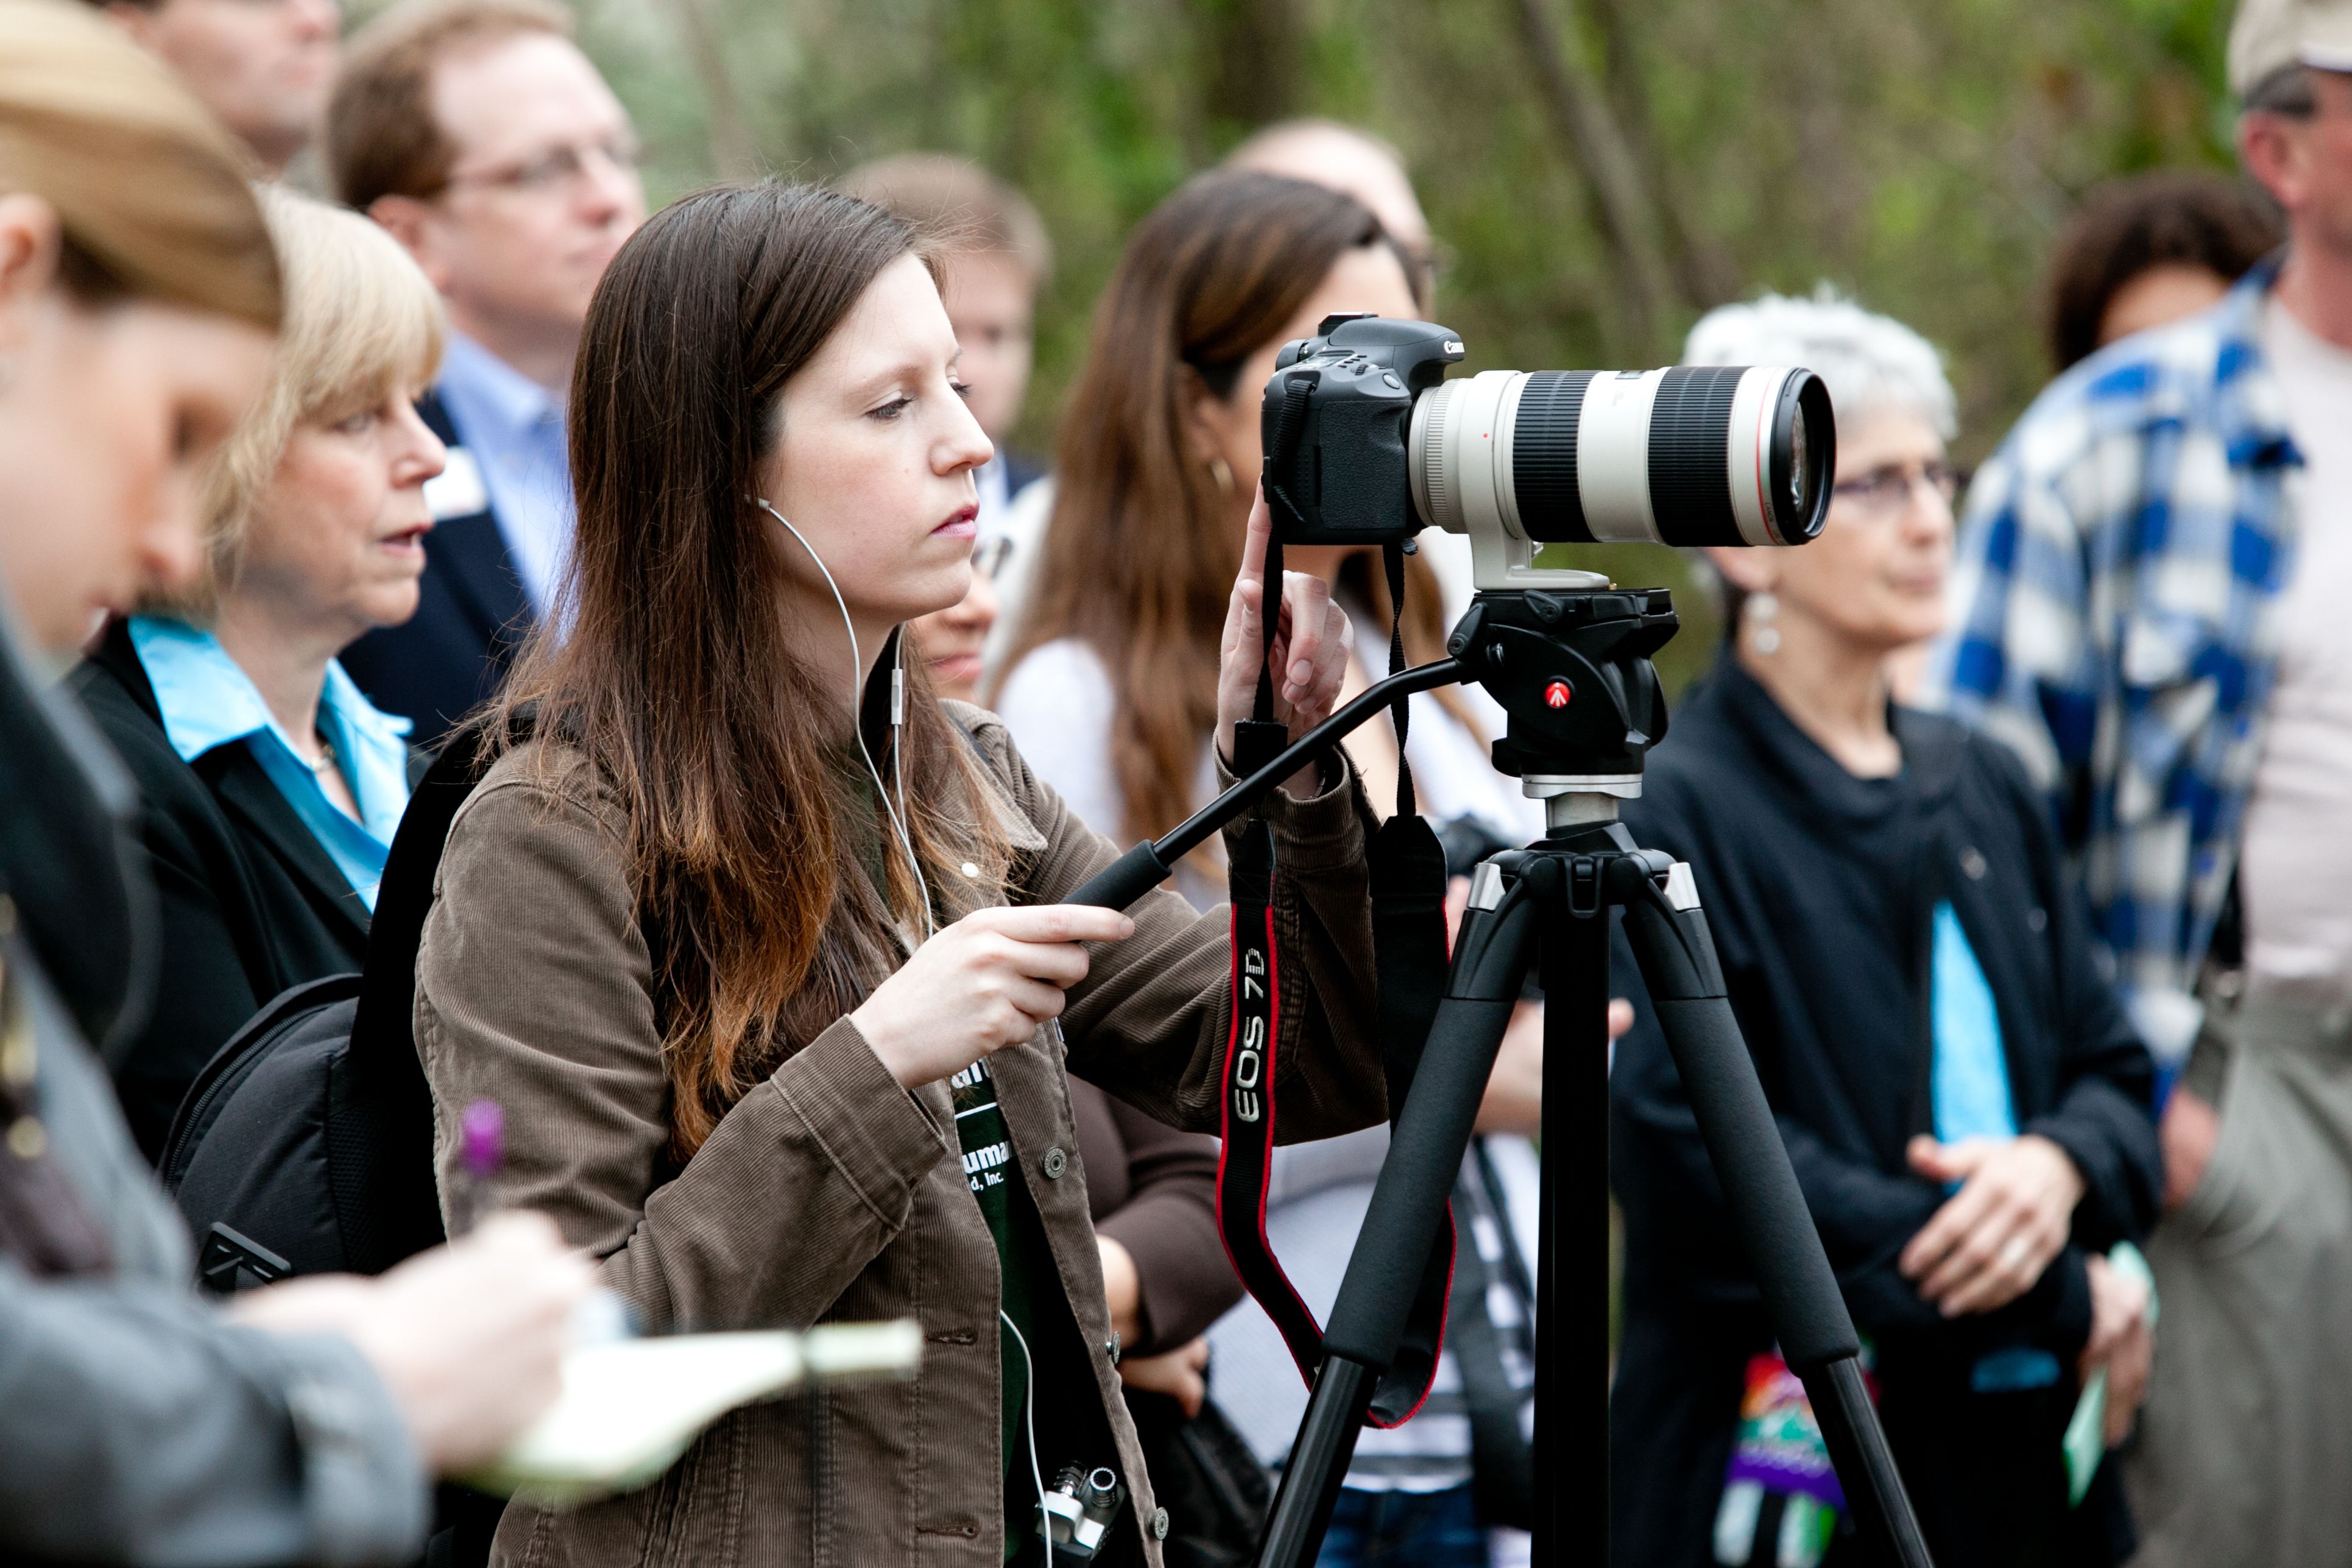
x=1918, y=154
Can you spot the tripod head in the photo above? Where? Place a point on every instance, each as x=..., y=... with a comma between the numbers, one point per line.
x=1571, y=670
x=1570, y=666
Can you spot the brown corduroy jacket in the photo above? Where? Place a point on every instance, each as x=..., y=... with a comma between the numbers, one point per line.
x=830, y=1192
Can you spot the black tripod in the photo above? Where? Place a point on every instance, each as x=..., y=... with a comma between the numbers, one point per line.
x=1572, y=671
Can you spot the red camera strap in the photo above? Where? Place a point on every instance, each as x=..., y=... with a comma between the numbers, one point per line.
x=1253, y=1062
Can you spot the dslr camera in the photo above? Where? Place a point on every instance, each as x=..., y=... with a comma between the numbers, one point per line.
x=1367, y=442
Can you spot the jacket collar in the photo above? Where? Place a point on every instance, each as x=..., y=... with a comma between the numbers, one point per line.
x=1817, y=780
x=217, y=721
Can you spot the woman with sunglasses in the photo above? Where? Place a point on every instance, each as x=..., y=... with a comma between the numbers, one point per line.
x=1966, y=1107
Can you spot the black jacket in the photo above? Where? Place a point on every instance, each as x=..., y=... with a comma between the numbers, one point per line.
x=252, y=902
x=1819, y=890
x=471, y=617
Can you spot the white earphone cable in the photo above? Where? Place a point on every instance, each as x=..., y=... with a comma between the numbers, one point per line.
x=896, y=813
x=1029, y=1414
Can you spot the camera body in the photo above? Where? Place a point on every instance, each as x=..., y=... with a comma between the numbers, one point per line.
x=1367, y=443
x=1336, y=422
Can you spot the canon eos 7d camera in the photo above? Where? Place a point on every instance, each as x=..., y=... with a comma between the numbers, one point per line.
x=1367, y=443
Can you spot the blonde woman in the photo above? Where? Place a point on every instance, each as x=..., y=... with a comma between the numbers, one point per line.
x=139, y=296
x=272, y=787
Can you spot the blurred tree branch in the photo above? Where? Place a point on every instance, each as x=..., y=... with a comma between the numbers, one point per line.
x=1597, y=149
x=1252, y=56
x=1704, y=269
x=734, y=153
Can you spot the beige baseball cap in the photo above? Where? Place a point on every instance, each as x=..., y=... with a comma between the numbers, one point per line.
x=2269, y=34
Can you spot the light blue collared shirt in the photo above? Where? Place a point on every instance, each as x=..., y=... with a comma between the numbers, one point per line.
x=208, y=701
x=513, y=427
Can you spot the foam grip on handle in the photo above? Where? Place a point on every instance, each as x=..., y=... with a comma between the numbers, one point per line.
x=1124, y=881
x=1416, y=1183
x=1760, y=1186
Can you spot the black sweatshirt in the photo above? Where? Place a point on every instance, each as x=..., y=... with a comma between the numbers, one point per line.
x=1820, y=889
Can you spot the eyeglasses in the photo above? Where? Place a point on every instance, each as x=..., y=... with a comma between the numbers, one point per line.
x=988, y=556
x=1887, y=490
x=557, y=168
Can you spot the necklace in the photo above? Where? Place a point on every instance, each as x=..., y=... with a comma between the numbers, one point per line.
x=326, y=752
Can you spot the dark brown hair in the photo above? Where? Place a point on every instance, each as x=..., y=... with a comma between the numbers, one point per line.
x=382, y=138
x=751, y=822
x=2166, y=217
x=1140, y=556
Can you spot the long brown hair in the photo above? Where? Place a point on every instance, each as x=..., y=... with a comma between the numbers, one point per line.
x=1140, y=556
x=751, y=825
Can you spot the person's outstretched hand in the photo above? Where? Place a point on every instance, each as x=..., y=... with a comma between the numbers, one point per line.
x=1992, y=1240
x=468, y=1337
x=987, y=982
x=1310, y=649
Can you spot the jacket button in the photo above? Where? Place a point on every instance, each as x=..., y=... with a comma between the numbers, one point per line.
x=1159, y=1524
x=1055, y=1163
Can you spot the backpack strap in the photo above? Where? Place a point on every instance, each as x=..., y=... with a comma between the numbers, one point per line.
x=379, y=1129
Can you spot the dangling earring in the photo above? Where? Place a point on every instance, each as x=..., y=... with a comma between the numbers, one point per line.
x=1756, y=620
x=1223, y=472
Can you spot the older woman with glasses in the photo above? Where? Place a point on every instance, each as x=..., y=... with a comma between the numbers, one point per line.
x=1966, y=1107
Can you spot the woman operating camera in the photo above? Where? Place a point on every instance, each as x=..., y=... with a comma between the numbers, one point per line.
x=753, y=935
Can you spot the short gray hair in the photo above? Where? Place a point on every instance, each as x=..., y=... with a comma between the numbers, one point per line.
x=1870, y=362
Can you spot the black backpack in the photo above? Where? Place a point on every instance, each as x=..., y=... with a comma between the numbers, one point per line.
x=306, y=1145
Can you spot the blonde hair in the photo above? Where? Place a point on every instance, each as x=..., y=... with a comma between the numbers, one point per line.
x=150, y=190
x=361, y=325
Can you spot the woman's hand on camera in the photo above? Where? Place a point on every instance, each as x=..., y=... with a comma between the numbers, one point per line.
x=987, y=982
x=1309, y=655
x=1992, y=1240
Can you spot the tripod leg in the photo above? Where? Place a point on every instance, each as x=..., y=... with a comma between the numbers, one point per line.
x=1409, y=1201
x=1572, y=1341
x=1800, y=1292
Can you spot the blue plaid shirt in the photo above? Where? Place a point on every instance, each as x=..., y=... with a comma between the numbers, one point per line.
x=2117, y=594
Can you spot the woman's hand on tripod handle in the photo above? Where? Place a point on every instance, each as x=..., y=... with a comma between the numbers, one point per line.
x=987, y=982
x=1309, y=657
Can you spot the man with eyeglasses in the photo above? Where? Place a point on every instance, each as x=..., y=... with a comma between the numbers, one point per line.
x=479, y=135
x=2155, y=601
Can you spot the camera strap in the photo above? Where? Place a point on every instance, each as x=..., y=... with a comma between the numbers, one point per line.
x=1407, y=874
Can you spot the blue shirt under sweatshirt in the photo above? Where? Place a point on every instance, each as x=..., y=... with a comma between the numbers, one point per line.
x=208, y=701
